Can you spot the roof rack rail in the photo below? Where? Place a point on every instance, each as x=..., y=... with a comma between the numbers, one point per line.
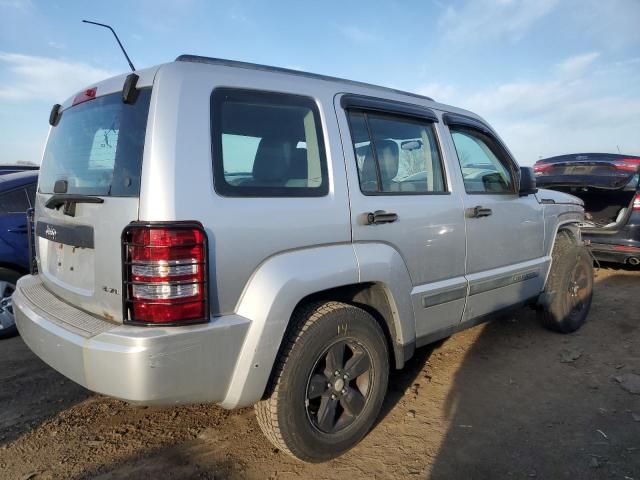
x=267, y=68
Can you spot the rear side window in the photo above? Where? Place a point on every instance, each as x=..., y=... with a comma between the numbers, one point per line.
x=97, y=147
x=396, y=155
x=15, y=201
x=267, y=145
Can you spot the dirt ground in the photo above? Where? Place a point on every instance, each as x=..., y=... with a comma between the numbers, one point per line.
x=503, y=400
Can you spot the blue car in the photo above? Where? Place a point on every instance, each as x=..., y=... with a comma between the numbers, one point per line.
x=17, y=195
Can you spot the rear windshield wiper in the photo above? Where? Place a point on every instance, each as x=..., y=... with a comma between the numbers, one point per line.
x=69, y=201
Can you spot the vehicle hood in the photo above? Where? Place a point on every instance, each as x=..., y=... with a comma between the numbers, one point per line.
x=552, y=196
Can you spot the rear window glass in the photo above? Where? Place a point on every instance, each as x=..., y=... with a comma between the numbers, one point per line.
x=267, y=145
x=97, y=147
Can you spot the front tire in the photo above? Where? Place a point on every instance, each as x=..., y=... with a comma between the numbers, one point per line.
x=329, y=382
x=569, y=287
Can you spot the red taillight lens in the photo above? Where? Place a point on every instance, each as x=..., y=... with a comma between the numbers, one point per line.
x=628, y=164
x=541, y=167
x=165, y=273
x=636, y=203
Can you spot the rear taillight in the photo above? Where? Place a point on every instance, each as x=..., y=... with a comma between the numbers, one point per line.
x=541, y=167
x=636, y=203
x=628, y=164
x=165, y=273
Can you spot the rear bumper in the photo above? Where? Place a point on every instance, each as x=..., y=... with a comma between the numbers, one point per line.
x=615, y=253
x=156, y=365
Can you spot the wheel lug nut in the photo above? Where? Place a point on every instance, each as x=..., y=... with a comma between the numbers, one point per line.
x=336, y=373
x=329, y=385
x=344, y=390
x=345, y=376
x=333, y=397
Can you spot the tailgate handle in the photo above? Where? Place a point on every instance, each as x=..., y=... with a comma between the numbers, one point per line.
x=479, y=211
x=69, y=201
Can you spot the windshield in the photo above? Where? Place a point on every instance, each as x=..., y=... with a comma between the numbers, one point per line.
x=97, y=147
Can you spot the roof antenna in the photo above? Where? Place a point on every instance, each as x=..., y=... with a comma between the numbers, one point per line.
x=117, y=40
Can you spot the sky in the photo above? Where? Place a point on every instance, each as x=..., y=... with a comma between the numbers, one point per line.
x=551, y=76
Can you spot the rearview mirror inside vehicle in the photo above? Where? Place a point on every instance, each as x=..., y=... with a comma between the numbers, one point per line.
x=411, y=145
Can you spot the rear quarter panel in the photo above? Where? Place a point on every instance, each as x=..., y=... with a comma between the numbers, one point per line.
x=177, y=179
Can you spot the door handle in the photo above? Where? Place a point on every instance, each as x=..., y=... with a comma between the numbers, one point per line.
x=478, y=211
x=380, y=216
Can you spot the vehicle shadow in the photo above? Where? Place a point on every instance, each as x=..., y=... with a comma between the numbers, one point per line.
x=529, y=403
x=402, y=381
x=620, y=267
x=226, y=453
x=30, y=391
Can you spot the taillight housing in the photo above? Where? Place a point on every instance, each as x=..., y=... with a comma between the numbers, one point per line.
x=541, y=167
x=165, y=273
x=636, y=203
x=627, y=164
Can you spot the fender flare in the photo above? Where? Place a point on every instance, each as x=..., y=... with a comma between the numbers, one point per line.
x=282, y=281
x=268, y=301
x=566, y=221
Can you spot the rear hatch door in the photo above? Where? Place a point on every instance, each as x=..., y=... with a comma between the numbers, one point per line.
x=88, y=191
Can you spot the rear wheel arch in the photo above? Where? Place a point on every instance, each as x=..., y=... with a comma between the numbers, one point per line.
x=315, y=371
x=377, y=300
x=333, y=272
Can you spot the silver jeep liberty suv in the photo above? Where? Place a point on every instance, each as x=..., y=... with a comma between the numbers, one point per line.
x=216, y=231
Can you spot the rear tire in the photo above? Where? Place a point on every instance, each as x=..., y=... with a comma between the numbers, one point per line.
x=569, y=287
x=8, y=279
x=329, y=382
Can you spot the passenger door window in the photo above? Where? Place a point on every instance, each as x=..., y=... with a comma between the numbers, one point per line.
x=15, y=201
x=395, y=155
x=31, y=194
x=267, y=145
x=485, y=166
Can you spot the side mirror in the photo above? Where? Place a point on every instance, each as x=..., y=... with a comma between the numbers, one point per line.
x=527, y=181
